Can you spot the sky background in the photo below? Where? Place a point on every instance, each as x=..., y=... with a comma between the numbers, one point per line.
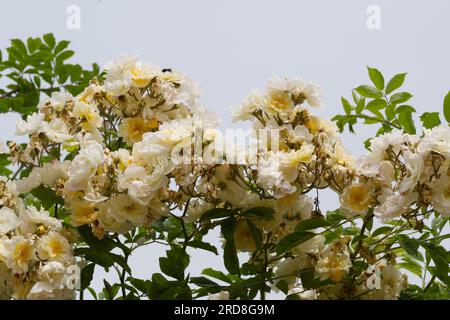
x=231, y=47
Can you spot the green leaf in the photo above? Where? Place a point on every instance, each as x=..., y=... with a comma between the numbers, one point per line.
x=20, y=46
x=87, y=274
x=33, y=44
x=260, y=212
x=405, y=108
x=376, y=77
x=109, y=291
x=390, y=112
x=176, y=262
x=400, y=97
x=292, y=240
x=440, y=257
x=335, y=217
x=230, y=256
x=368, y=91
x=409, y=244
x=381, y=230
x=430, y=119
x=283, y=286
x=171, y=269
x=447, y=107
x=256, y=234
x=4, y=163
x=61, y=46
x=198, y=244
x=47, y=196
x=406, y=121
x=396, y=82
x=64, y=56
x=203, y=282
x=142, y=285
x=411, y=267
x=217, y=275
x=98, y=257
x=310, y=282
x=120, y=261
x=216, y=213
x=360, y=105
x=376, y=105
x=106, y=244
x=49, y=39
x=312, y=223
x=346, y=105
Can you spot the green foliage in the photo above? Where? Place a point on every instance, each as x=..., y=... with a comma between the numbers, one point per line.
x=292, y=240
x=430, y=119
x=175, y=263
x=375, y=105
x=39, y=66
x=47, y=197
x=447, y=107
x=230, y=258
x=383, y=106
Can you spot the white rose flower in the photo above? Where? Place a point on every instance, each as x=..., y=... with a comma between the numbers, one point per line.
x=54, y=247
x=53, y=283
x=271, y=178
x=56, y=130
x=8, y=220
x=57, y=100
x=392, y=204
x=30, y=217
x=32, y=125
x=441, y=195
x=89, y=114
x=84, y=165
x=379, y=144
x=248, y=106
x=228, y=190
x=414, y=165
x=17, y=253
x=32, y=181
x=334, y=261
x=301, y=134
x=436, y=139
x=47, y=175
x=134, y=180
x=313, y=94
x=367, y=166
x=120, y=214
x=127, y=71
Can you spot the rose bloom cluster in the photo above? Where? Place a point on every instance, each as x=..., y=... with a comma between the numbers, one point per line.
x=36, y=256
x=120, y=138
x=305, y=154
x=403, y=175
x=122, y=154
x=331, y=263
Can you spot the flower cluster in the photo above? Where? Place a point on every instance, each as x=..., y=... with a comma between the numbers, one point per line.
x=296, y=153
x=120, y=139
x=136, y=148
x=331, y=264
x=403, y=175
x=36, y=255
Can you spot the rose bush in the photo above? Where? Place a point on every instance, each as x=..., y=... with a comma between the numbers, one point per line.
x=126, y=158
